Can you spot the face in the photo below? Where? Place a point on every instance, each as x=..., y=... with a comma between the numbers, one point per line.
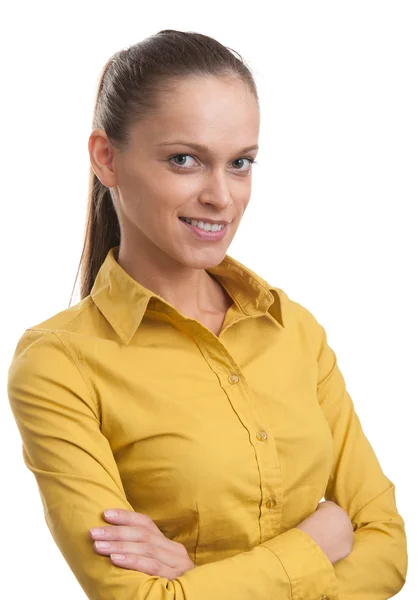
x=160, y=177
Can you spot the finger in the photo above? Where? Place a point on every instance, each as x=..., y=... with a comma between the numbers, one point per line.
x=163, y=555
x=125, y=533
x=128, y=517
x=122, y=532
x=150, y=566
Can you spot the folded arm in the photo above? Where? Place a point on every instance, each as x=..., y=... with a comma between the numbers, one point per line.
x=77, y=476
x=377, y=566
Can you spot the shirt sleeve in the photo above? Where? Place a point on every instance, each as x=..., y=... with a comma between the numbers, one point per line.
x=59, y=422
x=377, y=566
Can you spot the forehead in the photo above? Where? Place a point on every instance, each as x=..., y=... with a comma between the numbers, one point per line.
x=205, y=110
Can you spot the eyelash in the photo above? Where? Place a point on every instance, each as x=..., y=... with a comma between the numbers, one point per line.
x=179, y=168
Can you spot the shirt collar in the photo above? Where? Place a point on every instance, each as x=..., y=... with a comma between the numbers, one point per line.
x=123, y=301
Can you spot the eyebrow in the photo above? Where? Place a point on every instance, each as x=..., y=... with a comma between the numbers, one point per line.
x=201, y=147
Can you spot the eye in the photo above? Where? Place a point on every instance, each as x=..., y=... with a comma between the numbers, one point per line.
x=178, y=156
x=186, y=168
x=251, y=160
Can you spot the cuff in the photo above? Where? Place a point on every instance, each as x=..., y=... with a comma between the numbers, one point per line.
x=307, y=566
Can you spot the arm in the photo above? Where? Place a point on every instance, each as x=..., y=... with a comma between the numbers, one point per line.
x=60, y=425
x=377, y=566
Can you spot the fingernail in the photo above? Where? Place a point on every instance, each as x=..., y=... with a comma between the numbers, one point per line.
x=111, y=513
x=97, y=531
x=102, y=544
x=117, y=556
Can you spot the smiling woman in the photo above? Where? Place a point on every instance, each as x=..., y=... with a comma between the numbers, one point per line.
x=184, y=391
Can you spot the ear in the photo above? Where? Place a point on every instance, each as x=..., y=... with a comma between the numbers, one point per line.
x=101, y=152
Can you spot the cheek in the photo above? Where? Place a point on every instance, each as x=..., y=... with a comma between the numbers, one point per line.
x=170, y=192
x=243, y=198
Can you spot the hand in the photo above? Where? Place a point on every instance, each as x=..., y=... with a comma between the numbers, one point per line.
x=144, y=546
x=330, y=527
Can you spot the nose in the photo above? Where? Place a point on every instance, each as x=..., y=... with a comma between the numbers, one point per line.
x=216, y=190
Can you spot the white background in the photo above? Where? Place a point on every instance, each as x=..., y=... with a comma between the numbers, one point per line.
x=333, y=217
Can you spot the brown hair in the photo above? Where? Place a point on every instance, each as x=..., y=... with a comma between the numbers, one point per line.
x=128, y=89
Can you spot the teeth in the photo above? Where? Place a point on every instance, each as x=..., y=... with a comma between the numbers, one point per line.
x=203, y=225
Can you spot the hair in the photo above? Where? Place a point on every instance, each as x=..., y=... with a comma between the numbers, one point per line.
x=129, y=88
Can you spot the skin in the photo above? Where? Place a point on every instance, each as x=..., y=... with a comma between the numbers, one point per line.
x=141, y=546
x=152, y=189
x=158, y=251
x=331, y=528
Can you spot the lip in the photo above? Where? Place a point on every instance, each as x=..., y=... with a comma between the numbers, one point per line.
x=205, y=220
x=211, y=236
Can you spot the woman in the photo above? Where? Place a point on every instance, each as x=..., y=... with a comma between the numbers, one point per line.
x=184, y=392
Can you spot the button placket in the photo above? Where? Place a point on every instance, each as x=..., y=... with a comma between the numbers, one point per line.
x=264, y=458
x=267, y=457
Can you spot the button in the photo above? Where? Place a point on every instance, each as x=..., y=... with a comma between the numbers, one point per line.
x=233, y=379
x=271, y=503
x=262, y=436
x=325, y=598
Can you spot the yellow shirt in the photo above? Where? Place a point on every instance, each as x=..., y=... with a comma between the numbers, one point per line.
x=226, y=442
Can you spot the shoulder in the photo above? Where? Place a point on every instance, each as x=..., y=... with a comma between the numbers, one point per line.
x=46, y=347
x=46, y=373
x=66, y=319
x=53, y=334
